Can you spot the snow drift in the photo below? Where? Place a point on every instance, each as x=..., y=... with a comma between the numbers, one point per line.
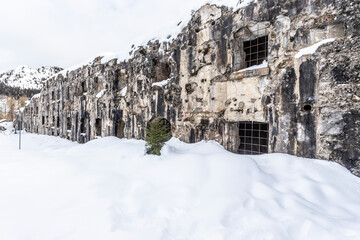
x=109, y=189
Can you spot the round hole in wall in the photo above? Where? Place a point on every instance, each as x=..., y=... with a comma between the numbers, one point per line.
x=307, y=107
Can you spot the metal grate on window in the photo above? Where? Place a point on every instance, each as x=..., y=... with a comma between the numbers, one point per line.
x=253, y=137
x=256, y=51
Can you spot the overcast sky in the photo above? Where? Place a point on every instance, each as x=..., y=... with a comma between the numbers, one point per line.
x=66, y=32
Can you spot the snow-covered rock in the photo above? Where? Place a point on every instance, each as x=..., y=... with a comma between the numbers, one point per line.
x=26, y=77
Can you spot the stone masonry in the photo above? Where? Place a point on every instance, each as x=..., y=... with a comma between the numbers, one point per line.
x=199, y=82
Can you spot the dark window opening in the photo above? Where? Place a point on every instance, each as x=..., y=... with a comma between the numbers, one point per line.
x=256, y=51
x=98, y=127
x=82, y=125
x=116, y=85
x=253, y=137
x=68, y=123
x=307, y=107
x=162, y=71
x=58, y=122
x=68, y=93
x=83, y=86
x=119, y=128
x=192, y=136
x=52, y=95
x=43, y=120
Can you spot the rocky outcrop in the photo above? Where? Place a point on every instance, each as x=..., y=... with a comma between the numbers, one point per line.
x=200, y=83
x=24, y=80
x=25, y=77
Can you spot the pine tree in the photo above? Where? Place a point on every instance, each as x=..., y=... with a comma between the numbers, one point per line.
x=157, y=134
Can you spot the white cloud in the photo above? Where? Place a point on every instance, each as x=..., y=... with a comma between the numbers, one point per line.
x=65, y=32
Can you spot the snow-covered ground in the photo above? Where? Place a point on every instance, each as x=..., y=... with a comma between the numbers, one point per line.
x=109, y=189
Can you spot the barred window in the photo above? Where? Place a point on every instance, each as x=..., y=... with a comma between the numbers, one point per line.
x=253, y=137
x=256, y=51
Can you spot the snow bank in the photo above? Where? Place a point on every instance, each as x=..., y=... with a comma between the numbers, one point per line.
x=312, y=49
x=9, y=129
x=109, y=189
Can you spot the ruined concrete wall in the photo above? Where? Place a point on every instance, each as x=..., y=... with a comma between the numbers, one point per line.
x=311, y=103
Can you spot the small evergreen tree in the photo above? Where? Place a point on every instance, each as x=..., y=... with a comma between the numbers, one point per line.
x=157, y=134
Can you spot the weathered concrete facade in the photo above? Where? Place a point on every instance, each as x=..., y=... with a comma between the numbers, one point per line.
x=310, y=105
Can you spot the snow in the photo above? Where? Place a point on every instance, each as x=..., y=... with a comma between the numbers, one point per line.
x=262, y=65
x=109, y=189
x=312, y=49
x=64, y=72
x=123, y=91
x=36, y=96
x=106, y=57
x=161, y=83
x=26, y=77
x=4, y=106
x=101, y=93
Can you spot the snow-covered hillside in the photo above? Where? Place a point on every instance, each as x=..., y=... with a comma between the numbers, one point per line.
x=109, y=189
x=26, y=77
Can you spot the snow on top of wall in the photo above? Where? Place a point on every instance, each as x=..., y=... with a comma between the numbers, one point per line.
x=86, y=62
x=123, y=91
x=167, y=33
x=161, y=83
x=312, y=49
x=101, y=93
x=36, y=96
x=262, y=65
